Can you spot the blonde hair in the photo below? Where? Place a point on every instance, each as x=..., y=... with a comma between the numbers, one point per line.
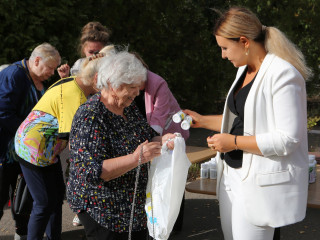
x=237, y=22
x=90, y=65
x=46, y=52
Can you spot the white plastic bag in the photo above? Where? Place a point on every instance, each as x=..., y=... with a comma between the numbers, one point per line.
x=165, y=188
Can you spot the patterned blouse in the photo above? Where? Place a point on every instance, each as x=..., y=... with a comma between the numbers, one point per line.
x=96, y=135
x=44, y=133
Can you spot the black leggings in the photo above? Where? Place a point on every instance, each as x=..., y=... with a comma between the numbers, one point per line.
x=94, y=231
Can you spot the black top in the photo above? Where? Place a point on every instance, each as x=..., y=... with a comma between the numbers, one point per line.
x=141, y=104
x=236, y=103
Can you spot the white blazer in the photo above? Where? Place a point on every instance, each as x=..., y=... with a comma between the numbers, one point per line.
x=274, y=185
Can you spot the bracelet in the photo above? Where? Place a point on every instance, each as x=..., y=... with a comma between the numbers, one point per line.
x=235, y=142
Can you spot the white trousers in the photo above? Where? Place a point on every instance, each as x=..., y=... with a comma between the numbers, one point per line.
x=234, y=224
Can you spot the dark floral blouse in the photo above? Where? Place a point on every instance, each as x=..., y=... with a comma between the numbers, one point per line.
x=96, y=135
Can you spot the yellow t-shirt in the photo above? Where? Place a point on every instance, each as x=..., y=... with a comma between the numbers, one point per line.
x=62, y=100
x=45, y=132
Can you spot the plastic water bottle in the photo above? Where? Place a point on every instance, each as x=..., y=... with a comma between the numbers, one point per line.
x=312, y=168
x=186, y=123
x=178, y=117
x=204, y=173
x=213, y=169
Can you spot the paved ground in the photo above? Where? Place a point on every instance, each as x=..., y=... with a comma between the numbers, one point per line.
x=201, y=217
x=201, y=222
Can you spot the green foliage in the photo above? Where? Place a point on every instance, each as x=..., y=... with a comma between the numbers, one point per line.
x=299, y=20
x=193, y=172
x=313, y=121
x=174, y=37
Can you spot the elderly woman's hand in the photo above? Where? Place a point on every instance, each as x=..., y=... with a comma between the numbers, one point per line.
x=64, y=70
x=169, y=140
x=150, y=151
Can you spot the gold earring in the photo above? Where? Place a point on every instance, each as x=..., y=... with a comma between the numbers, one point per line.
x=247, y=52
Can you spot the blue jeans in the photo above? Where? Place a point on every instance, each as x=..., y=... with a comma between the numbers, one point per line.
x=47, y=189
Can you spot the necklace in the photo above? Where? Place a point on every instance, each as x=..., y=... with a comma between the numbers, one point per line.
x=135, y=192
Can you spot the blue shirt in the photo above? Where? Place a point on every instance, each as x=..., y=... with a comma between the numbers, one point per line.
x=18, y=95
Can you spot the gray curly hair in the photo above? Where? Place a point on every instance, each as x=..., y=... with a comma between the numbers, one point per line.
x=120, y=68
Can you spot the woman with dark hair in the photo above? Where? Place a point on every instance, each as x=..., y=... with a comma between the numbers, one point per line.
x=94, y=37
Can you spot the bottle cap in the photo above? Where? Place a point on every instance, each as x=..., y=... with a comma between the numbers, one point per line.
x=185, y=125
x=178, y=117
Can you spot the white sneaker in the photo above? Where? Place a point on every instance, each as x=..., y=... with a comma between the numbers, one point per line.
x=20, y=237
x=76, y=221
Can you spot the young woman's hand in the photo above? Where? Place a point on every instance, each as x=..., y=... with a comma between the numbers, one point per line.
x=196, y=118
x=223, y=142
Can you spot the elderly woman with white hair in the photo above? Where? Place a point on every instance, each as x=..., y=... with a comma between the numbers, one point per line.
x=21, y=87
x=110, y=144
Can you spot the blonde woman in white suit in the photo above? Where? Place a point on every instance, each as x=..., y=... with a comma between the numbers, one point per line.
x=263, y=153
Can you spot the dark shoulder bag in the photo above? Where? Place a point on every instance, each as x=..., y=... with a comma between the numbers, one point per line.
x=22, y=202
